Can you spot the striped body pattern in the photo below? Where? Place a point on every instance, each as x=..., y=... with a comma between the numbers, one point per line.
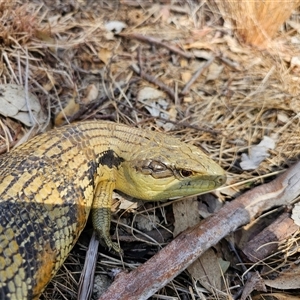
x=47, y=189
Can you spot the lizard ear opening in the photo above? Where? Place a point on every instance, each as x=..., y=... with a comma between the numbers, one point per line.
x=154, y=168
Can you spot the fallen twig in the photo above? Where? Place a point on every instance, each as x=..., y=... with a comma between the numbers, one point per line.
x=152, y=40
x=144, y=281
x=86, y=280
x=188, y=85
x=266, y=242
x=153, y=80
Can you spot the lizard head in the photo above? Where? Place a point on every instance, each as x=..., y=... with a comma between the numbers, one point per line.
x=165, y=168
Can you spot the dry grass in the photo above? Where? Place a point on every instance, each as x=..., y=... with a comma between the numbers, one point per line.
x=69, y=50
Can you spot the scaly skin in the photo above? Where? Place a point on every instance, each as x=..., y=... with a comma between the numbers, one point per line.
x=49, y=185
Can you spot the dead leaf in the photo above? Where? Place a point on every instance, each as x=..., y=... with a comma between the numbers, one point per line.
x=208, y=269
x=209, y=204
x=127, y=204
x=146, y=222
x=275, y=296
x=105, y=55
x=294, y=25
x=45, y=36
x=207, y=55
x=214, y=71
x=156, y=104
x=71, y=108
x=198, y=45
x=186, y=76
x=234, y=46
x=19, y=105
x=184, y=62
x=287, y=279
x=187, y=99
x=149, y=93
x=92, y=93
x=186, y=214
x=257, y=154
x=115, y=26
x=296, y=214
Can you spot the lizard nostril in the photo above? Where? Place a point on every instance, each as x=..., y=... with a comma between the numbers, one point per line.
x=221, y=179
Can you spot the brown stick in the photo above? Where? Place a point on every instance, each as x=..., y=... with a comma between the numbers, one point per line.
x=144, y=281
x=155, y=41
x=153, y=80
x=266, y=242
x=87, y=276
x=188, y=85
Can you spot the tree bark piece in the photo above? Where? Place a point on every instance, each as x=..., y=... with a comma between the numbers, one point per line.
x=266, y=242
x=144, y=281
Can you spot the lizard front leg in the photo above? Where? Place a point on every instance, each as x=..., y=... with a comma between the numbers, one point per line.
x=101, y=212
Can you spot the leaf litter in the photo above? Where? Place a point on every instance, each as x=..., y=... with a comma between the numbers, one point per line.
x=92, y=60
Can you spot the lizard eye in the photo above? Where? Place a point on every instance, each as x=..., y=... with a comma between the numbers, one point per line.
x=185, y=173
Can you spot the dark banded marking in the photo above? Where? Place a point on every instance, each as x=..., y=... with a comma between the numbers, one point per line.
x=109, y=158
